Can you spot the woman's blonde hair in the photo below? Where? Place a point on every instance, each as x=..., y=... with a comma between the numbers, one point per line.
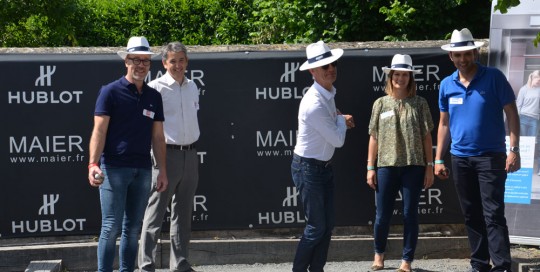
x=411, y=87
x=531, y=76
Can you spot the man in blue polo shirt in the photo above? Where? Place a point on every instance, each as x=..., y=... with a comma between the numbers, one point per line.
x=128, y=122
x=472, y=101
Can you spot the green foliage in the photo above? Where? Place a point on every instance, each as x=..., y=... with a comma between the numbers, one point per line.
x=400, y=15
x=112, y=22
x=37, y=23
x=204, y=22
x=504, y=5
x=303, y=21
x=360, y=21
x=286, y=21
x=423, y=20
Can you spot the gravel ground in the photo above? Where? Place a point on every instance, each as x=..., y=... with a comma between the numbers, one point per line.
x=391, y=265
x=528, y=254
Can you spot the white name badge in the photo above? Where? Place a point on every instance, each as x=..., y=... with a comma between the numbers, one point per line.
x=387, y=114
x=148, y=113
x=456, y=100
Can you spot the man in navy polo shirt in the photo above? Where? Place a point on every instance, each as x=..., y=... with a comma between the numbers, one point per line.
x=128, y=122
x=472, y=101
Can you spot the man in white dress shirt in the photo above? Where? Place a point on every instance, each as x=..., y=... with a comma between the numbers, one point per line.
x=321, y=128
x=180, y=106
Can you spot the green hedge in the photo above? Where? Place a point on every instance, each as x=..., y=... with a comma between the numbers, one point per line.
x=111, y=22
x=36, y=23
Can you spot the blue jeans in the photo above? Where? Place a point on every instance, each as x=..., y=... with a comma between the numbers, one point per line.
x=480, y=182
x=528, y=125
x=390, y=180
x=314, y=181
x=124, y=196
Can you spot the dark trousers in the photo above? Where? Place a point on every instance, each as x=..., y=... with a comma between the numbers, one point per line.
x=314, y=181
x=409, y=181
x=480, y=182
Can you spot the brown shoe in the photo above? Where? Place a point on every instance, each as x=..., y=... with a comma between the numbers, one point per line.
x=404, y=265
x=375, y=266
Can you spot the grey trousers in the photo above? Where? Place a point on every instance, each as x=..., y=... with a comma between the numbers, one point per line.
x=183, y=176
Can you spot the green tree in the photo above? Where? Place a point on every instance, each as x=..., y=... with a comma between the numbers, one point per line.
x=301, y=21
x=112, y=22
x=424, y=20
x=293, y=21
x=283, y=21
x=202, y=22
x=36, y=23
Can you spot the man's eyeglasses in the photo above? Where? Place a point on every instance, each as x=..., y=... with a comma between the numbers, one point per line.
x=145, y=62
x=325, y=67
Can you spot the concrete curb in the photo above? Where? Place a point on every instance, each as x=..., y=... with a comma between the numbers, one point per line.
x=44, y=266
x=525, y=265
x=82, y=256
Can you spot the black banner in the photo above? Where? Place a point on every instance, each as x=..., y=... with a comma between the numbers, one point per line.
x=248, y=118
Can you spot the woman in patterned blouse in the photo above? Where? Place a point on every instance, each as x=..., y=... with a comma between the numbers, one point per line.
x=400, y=145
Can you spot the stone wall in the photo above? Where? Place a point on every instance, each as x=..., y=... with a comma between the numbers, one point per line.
x=234, y=48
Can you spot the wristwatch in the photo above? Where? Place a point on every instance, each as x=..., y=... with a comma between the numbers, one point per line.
x=515, y=149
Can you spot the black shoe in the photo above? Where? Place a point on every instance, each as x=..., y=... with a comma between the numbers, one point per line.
x=476, y=270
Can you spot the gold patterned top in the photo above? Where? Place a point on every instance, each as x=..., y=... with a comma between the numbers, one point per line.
x=400, y=126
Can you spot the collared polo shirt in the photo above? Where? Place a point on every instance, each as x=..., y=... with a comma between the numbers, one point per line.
x=180, y=106
x=476, y=112
x=132, y=116
x=320, y=128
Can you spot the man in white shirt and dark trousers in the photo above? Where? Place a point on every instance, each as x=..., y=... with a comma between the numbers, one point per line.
x=180, y=104
x=321, y=128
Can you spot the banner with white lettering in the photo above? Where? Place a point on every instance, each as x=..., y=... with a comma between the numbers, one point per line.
x=248, y=119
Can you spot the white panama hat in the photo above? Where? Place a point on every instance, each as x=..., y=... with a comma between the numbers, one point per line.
x=462, y=41
x=319, y=54
x=401, y=63
x=137, y=46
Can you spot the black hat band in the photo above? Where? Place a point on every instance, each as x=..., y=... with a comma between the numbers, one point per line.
x=406, y=66
x=460, y=44
x=320, y=57
x=138, y=48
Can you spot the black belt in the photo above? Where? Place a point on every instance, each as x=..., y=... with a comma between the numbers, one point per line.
x=181, y=147
x=312, y=161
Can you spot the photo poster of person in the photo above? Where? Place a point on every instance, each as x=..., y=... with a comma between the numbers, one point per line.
x=524, y=185
x=513, y=51
x=519, y=185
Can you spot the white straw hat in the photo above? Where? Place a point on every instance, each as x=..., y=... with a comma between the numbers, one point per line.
x=319, y=54
x=462, y=41
x=401, y=63
x=137, y=46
